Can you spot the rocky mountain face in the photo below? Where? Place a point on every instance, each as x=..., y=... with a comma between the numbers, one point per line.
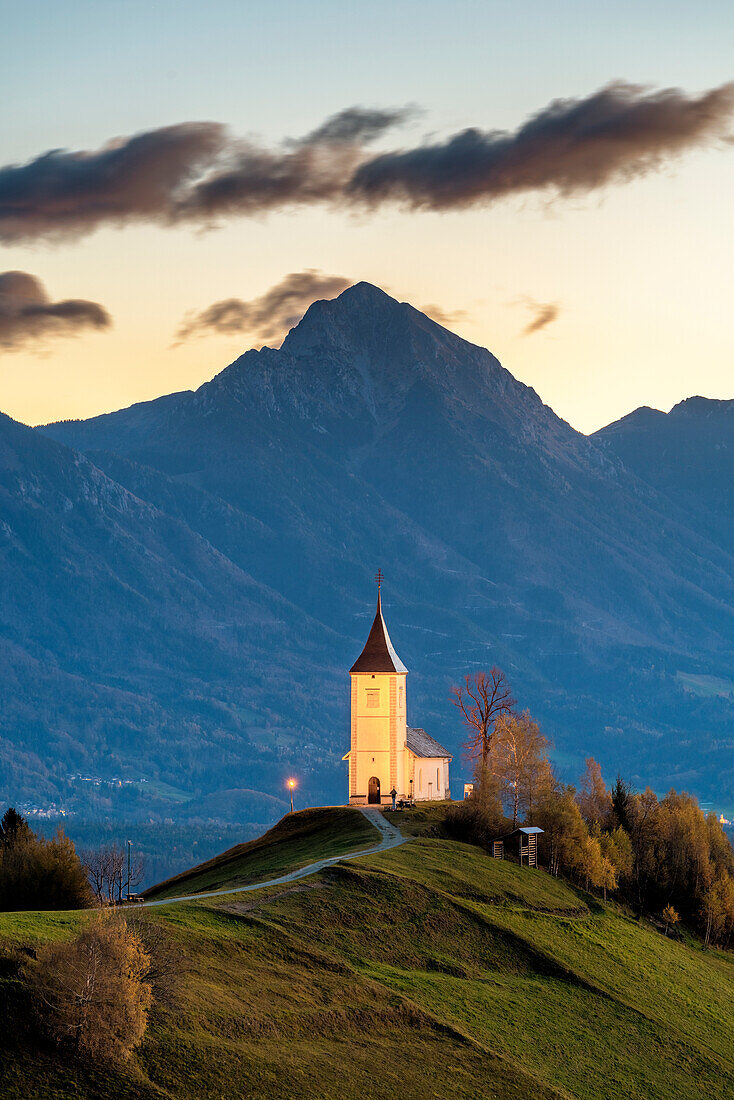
x=253, y=513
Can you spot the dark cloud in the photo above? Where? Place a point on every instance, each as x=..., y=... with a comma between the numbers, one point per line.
x=255, y=180
x=543, y=314
x=130, y=179
x=265, y=320
x=198, y=172
x=27, y=314
x=357, y=125
x=572, y=146
x=313, y=169
x=192, y=171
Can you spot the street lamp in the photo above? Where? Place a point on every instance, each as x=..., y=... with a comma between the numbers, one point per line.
x=291, y=785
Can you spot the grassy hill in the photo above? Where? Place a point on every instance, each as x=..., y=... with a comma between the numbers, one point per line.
x=425, y=971
x=296, y=840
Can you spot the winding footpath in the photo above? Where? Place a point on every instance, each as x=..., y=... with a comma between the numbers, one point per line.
x=391, y=838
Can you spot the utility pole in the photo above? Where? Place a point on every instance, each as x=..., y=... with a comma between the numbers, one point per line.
x=129, y=845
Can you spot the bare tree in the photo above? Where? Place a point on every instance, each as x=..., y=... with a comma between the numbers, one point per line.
x=107, y=872
x=94, y=865
x=484, y=697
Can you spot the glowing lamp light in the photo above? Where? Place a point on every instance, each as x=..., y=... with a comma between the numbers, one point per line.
x=291, y=785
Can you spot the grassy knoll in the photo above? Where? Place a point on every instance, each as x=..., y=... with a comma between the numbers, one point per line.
x=426, y=971
x=423, y=819
x=296, y=840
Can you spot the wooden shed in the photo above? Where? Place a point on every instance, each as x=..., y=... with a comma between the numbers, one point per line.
x=522, y=841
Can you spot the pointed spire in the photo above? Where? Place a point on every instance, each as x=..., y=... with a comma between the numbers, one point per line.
x=378, y=654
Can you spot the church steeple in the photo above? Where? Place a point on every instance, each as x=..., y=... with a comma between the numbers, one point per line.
x=388, y=761
x=378, y=654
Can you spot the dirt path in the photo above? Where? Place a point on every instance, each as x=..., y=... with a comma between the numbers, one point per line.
x=391, y=838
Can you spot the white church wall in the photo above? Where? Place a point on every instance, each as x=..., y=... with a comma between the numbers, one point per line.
x=431, y=777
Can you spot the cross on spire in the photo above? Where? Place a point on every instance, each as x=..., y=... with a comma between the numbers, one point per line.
x=379, y=577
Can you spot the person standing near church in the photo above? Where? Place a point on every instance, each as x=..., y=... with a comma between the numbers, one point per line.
x=393, y=795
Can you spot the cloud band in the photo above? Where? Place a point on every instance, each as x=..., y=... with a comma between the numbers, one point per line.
x=198, y=172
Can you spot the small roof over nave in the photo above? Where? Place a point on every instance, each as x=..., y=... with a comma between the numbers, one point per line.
x=422, y=744
x=379, y=653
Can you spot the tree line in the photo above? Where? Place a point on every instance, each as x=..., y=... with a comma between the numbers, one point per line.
x=661, y=856
x=37, y=873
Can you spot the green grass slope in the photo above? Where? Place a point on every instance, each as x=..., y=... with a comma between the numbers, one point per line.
x=296, y=840
x=425, y=971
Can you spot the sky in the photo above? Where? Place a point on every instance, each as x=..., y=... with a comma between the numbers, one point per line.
x=588, y=245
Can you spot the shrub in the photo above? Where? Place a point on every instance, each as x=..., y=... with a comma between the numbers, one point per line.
x=479, y=819
x=670, y=918
x=90, y=993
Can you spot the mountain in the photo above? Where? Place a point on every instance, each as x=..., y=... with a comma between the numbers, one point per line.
x=374, y=436
x=123, y=639
x=687, y=454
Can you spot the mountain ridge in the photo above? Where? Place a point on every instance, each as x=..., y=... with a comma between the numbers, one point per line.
x=687, y=454
x=374, y=436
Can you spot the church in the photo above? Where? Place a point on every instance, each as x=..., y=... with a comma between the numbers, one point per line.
x=386, y=754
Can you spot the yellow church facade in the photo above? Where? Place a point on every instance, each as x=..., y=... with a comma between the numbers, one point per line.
x=386, y=754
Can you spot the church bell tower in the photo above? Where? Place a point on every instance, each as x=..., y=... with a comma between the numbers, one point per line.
x=378, y=723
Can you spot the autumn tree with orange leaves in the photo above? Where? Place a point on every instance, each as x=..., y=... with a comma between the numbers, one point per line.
x=91, y=992
x=521, y=763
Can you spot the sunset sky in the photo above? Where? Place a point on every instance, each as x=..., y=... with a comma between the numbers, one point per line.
x=590, y=250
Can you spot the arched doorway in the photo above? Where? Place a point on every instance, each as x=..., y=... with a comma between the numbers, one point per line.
x=373, y=794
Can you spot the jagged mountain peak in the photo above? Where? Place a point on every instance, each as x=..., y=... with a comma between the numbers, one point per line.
x=689, y=412
x=359, y=302
x=639, y=419
x=689, y=450
x=703, y=408
x=364, y=294
x=364, y=355
x=367, y=314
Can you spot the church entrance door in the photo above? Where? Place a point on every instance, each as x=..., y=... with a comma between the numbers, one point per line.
x=373, y=794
